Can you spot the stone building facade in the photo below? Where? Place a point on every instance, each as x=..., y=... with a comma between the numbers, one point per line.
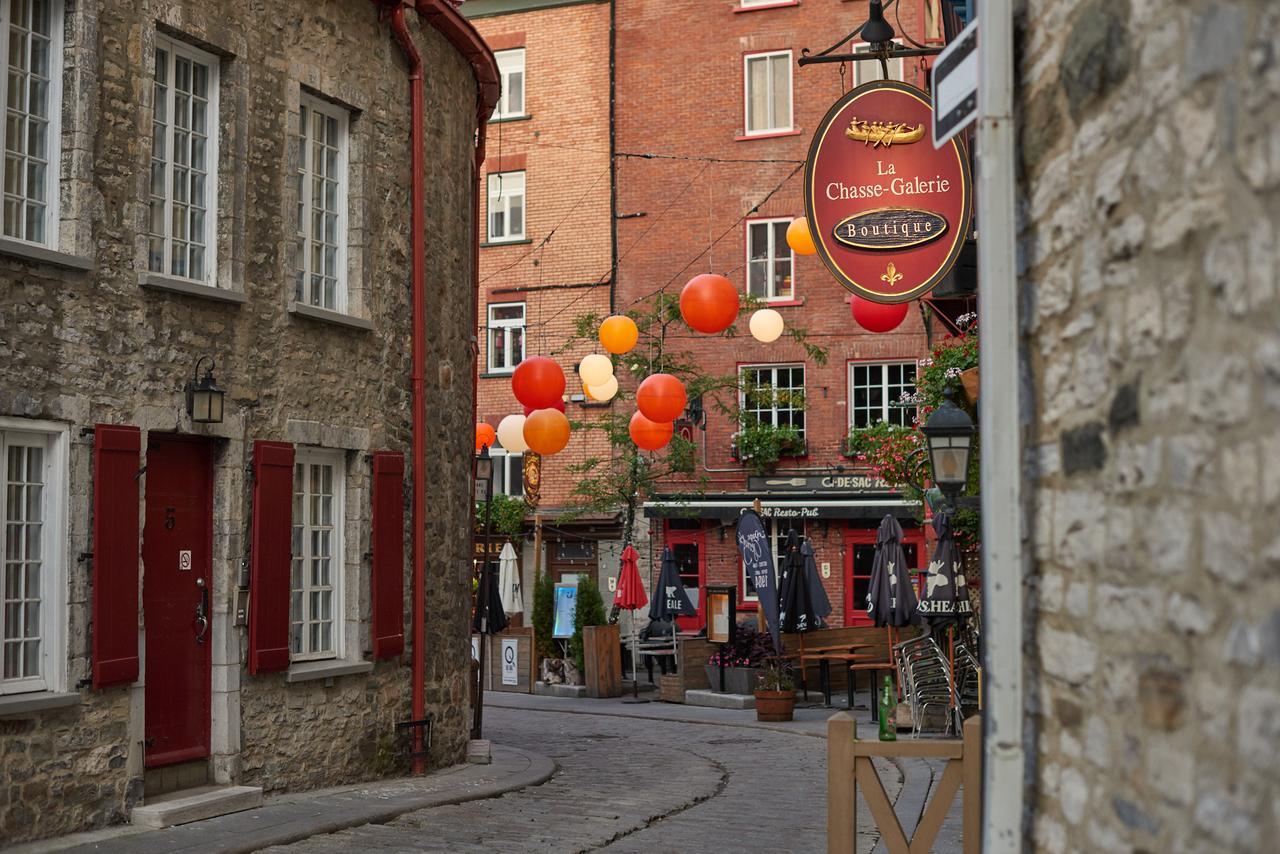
x=1149, y=180
x=190, y=603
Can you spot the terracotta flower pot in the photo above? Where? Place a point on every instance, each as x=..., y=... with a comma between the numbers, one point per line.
x=969, y=379
x=775, y=705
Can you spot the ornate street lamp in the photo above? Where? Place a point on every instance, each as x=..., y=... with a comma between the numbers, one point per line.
x=204, y=398
x=949, y=434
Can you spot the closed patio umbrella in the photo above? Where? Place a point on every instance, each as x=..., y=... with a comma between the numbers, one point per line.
x=630, y=596
x=669, y=597
x=821, y=603
x=490, y=619
x=509, y=581
x=946, y=596
x=891, y=600
x=796, y=611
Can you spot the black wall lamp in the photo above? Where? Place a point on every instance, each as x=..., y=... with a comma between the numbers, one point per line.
x=204, y=398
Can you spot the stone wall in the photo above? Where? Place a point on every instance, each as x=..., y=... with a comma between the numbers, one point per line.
x=1149, y=178
x=95, y=346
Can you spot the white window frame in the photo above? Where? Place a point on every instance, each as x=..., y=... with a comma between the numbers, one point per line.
x=53, y=130
x=176, y=49
x=502, y=200
x=777, y=539
x=886, y=398
x=775, y=409
x=770, y=96
x=867, y=70
x=507, y=467
x=54, y=546
x=302, y=263
x=511, y=62
x=337, y=459
x=771, y=259
x=494, y=324
x=755, y=4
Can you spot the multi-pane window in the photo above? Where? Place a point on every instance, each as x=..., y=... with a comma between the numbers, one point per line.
x=770, y=262
x=882, y=392
x=322, y=204
x=506, y=206
x=315, y=606
x=774, y=394
x=868, y=70
x=511, y=68
x=28, y=587
x=777, y=533
x=31, y=46
x=768, y=92
x=184, y=135
x=508, y=472
x=506, y=337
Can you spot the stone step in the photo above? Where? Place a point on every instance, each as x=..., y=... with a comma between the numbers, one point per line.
x=715, y=700
x=547, y=689
x=195, y=804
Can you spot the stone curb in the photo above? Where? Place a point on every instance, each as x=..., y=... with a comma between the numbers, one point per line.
x=292, y=818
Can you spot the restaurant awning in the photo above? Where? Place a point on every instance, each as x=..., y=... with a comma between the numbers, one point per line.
x=727, y=508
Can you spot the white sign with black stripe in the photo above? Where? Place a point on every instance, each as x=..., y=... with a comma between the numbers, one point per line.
x=954, y=80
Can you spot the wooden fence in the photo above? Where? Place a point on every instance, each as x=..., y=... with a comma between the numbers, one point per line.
x=849, y=764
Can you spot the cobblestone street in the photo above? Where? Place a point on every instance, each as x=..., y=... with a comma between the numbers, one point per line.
x=632, y=785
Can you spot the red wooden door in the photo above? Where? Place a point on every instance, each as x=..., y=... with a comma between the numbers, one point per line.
x=859, y=555
x=176, y=590
x=689, y=549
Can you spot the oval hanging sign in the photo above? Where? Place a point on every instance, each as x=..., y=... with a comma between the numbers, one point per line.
x=889, y=212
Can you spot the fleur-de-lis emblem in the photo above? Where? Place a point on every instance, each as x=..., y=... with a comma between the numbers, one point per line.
x=891, y=275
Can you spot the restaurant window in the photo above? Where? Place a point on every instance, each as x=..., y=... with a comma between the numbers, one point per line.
x=508, y=472
x=777, y=532
x=774, y=395
x=32, y=470
x=511, y=69
x=882, y=392
x=506, y=206
x=315, y=607
x=506, y=337
x=322, y=204
x=770, y=261
x=182, y=207
x=768, y=92
x=31, y=97
x=869, y=70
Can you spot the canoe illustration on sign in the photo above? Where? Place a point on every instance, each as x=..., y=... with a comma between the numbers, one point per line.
x=889, y=228
x=884, y=133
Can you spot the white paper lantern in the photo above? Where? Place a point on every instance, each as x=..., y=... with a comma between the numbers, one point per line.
x=605, y=391
x=511, y=434
x=766, y=325
x=595, y=370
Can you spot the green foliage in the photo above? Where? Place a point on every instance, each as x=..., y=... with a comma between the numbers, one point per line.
x=941, y=371
x=506, y=515
x=759, y=445
x=544, y=605
x=588, y=611
x=893, y=453
x=775, y=676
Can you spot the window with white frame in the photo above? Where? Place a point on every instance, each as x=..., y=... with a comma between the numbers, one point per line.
x=777, y=533
x=768, y=92
x=882, y=391
x=506, y=337
x=32, y=590
x=32, y=57
x=184, y=154
x=770, y=262
x=773, y=395
x=508, y=472
x=868, y=70
x=322, y=204
x=506, y=206
x=511, y=69
x=315, y=608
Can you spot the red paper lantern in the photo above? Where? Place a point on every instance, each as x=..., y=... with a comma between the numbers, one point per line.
x=709, y=303
x=546, y=431
x=878, y=317
x=650, y=435
x=661, y=397
x=485, y=435
x=558, y=406
x=538, y=382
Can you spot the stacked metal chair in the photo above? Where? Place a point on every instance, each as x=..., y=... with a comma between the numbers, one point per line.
x=926, y=678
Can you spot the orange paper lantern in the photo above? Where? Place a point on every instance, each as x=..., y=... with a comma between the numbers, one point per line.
x=709, y=303
x=538, y=382
x=800, y=238
x=546, y=431
x=661, y=397
x=878, y=317
x=618, y=334
x=485, y=435
x=650, y=435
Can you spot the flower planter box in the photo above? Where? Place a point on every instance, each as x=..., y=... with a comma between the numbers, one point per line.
x=737, y=680
x=775, y=706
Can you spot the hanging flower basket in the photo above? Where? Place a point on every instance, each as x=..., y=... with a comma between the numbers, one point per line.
x=969, y=379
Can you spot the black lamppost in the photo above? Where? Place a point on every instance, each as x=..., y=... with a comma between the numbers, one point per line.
x=949, y=433
x=204, y=398
x=484, y=485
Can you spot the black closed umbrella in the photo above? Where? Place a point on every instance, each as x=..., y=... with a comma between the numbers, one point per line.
x=946, y=596
x=891, y=600
x=821, y=604
x=669, y=597
x=490, y=619
x=796, y=611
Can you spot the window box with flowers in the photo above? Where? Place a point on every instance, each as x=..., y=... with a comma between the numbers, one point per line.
x=743, y=660
x=760, y=447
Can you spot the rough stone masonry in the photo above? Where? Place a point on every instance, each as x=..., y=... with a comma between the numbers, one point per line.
x=1149, y=178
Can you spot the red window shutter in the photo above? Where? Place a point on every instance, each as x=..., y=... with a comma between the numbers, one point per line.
x=117, y=452
x=272, y=556
x=387, y=581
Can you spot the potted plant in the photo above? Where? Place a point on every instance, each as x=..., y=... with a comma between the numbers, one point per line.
x=742, y=660
x=760, y=446
x=775, y=692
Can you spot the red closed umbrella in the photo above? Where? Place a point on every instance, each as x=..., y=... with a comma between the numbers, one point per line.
x=630, y=595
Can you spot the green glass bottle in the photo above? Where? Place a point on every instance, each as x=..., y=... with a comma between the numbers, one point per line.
x=888, y=711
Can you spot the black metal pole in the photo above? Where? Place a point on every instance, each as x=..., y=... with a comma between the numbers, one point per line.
x=722, y=647
x=482, y=606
